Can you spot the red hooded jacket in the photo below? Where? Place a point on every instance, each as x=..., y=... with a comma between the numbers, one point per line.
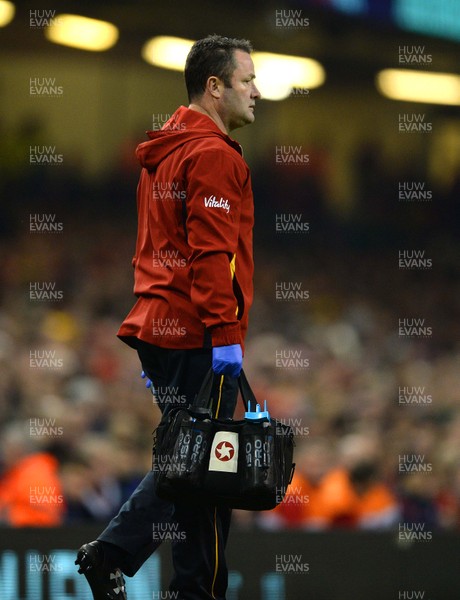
x=193, y=265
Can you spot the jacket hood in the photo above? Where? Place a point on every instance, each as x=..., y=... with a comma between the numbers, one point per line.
x=184, y=126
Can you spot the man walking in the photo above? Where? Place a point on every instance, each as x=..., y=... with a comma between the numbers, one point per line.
x=193, y=271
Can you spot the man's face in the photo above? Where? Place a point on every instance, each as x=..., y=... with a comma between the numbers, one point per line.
x=238, y=101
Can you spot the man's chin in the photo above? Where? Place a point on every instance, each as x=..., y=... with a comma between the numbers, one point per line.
x=250, y=118
x=246, y=120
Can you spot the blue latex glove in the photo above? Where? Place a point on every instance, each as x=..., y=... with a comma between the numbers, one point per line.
x=148, y=383
x=227, y=360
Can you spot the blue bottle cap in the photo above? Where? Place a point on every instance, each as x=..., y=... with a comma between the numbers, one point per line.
x=257, y=414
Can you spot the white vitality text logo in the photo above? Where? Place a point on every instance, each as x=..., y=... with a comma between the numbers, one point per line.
x=212, y=202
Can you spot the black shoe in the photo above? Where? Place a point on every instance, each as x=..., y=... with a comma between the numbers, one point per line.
x=106, y=583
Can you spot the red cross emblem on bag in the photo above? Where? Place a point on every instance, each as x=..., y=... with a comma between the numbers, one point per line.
x=224, y=451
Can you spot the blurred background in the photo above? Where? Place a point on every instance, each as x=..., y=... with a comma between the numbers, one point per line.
x=354, y=334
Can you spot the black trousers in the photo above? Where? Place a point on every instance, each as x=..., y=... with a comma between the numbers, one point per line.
x=198, y=534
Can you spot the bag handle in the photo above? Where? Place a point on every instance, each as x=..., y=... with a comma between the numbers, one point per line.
x=246, y=392
x=203, y=399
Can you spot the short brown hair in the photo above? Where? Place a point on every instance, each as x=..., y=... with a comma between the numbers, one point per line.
x=212, y=55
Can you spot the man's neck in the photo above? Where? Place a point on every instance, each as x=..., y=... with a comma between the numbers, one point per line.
x=211, y=113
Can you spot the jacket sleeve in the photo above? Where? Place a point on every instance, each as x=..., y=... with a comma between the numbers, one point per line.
x=214, y=196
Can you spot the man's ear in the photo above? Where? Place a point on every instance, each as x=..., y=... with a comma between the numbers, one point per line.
x=214, y=86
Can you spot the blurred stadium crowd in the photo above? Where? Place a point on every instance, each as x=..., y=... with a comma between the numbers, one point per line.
x=76, y=420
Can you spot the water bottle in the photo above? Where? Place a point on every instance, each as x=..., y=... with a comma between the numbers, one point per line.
x=256, y=446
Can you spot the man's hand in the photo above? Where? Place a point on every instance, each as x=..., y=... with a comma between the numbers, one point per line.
x=227, y=360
